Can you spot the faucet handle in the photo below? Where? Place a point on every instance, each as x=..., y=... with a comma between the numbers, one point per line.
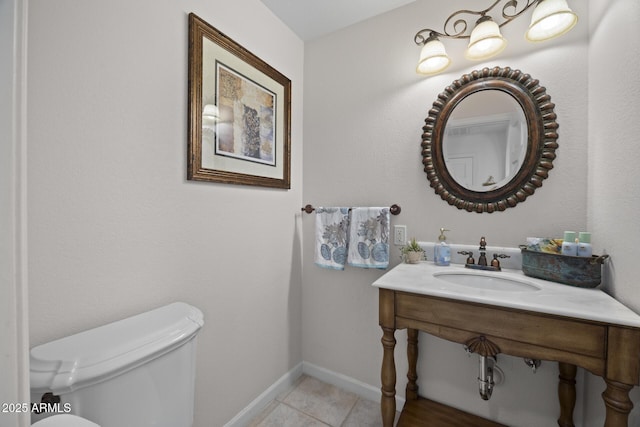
x=495, y=263
x=470, y=259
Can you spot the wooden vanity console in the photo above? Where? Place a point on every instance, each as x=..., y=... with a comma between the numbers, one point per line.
x=611, y=351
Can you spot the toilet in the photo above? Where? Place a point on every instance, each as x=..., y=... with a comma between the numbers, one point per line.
x=64, y=420
x=135, y=372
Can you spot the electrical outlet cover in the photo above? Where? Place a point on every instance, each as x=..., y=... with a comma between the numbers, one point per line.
x=399, y=235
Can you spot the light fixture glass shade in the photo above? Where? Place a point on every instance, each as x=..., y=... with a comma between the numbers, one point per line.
x=485, y=41
x=433, y=57
x=210, y=111
x=551, y=18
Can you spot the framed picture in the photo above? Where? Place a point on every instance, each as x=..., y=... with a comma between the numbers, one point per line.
x=239, y=113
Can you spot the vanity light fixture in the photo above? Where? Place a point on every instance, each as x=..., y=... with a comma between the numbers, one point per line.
x=485, y=40
x=550, y=18
x=433, y=56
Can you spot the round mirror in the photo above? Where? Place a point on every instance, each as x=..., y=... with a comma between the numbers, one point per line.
x=489, y=140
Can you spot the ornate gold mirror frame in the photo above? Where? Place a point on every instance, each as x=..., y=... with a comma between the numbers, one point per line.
x=541, y=145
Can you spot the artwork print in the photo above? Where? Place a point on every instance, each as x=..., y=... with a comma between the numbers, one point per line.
x=246, y=126
x=239, y=113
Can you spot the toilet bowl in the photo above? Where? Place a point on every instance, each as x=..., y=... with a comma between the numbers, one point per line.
x=64, y=420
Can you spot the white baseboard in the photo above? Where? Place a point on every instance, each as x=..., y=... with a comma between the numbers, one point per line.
x=284, y=383
x=254, y=408
x=364, y=390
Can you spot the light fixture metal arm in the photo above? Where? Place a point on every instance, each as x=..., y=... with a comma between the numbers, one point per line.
x=457, y=24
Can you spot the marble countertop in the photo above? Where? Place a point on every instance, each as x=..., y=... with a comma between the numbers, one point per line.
x=550, y=297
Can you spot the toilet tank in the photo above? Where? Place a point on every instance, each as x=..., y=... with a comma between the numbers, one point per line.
x=136, y=372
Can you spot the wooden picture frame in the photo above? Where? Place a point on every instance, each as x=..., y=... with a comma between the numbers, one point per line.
x=239, y=113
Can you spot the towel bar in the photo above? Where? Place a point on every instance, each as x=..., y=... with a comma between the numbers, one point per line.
x=394, y=209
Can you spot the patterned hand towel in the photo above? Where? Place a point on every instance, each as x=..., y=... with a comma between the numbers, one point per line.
x=369, y=238
x=332, y=227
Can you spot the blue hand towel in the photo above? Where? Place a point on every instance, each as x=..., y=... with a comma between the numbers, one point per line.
x=332, y=228
x=369, y=238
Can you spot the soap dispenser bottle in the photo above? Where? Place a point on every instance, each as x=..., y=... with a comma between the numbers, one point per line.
x=569, y=245
x=584, y=245
x=442, y=255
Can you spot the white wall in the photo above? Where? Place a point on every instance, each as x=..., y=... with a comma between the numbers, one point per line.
x=614, y=155
x=614, y=109
x=14, y=361
x=114, y=226
x=112, y=234
x=364, y=109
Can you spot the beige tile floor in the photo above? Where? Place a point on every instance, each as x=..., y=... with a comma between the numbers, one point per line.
x=313, y=403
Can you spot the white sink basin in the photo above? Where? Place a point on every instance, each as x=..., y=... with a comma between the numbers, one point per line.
x=486, y=281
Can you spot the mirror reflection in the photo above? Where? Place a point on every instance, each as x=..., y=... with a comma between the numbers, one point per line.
x=485, y=140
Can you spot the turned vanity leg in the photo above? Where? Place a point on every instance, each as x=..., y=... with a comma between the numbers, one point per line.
x=411, y=391
x=567, y=393
x=618, y=404
x=388, y=376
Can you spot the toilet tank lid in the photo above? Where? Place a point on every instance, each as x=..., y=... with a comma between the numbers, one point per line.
x=95, y=355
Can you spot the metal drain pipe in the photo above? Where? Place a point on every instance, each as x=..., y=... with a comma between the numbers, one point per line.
x=487, y=364
x=485, y=376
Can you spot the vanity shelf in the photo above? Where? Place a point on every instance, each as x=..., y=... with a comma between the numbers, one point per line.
x=605, y=342
x=416, y=411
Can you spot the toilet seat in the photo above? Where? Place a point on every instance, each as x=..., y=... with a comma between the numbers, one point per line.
x=64, y=420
